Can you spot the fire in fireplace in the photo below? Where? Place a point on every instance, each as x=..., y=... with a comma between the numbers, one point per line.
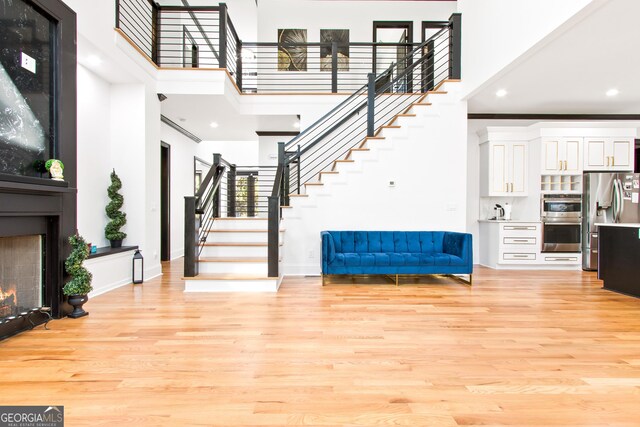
x=21, y=284
x=8, y=302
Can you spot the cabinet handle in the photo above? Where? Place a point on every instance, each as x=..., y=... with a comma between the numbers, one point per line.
x=520, y=256
x=512, y=187
x=613, y=161
x=520, y=240
x=560, y=168
x=565, y=165
x=607, y=160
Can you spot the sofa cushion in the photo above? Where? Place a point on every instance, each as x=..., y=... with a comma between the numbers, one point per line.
x=353, y=259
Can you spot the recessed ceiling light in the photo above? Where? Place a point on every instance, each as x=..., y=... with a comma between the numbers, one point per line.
x=296, y=125
x=94, y=60
x=612, y=92
x=501, y=93
x=213, y=125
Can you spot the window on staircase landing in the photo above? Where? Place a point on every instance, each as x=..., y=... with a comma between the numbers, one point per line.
x=246, y=206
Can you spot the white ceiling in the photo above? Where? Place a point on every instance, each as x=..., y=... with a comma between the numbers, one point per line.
x=196, y=112
x=572, y=72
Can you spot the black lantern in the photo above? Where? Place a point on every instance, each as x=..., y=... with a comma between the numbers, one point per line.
x=138, y=267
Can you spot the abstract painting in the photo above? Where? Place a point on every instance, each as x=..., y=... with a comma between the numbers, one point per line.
x=342, y=38
x=292, y=50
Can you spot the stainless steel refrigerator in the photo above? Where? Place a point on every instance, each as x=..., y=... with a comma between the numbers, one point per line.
x=606, y=198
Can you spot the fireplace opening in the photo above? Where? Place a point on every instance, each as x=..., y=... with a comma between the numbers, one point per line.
x=21, y=274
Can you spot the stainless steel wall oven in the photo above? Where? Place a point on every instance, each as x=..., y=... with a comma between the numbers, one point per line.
x=561, y=216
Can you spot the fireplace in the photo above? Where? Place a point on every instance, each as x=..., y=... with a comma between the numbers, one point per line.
x=21, y=275
x=37, y=214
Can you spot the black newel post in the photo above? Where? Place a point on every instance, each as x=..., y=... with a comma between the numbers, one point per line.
x=190, y=237
x=217, y=158
x=251, y=195
x=299, y=157
x=155, y=34
x=239, y=66
x=371, y=101
x=231, y=192
x=223, y=36
x=272, y=236
x=117, y=13
x=455, y=46
x=334, y=67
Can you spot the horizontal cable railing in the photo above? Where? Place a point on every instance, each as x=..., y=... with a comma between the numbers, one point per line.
x=314, y=67
x=178, y=36
x=386, y=94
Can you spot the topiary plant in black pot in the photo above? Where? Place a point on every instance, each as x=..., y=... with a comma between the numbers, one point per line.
x=80, y=284
x=118, y=218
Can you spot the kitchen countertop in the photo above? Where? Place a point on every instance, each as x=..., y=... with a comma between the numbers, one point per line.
x=624, y=224
x=509, y=221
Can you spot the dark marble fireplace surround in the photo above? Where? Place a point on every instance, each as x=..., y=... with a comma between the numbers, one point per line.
x=40, y=206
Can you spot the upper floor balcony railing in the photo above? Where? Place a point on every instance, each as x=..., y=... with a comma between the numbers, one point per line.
x=204, y=37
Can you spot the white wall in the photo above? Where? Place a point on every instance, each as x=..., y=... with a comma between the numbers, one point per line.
x=94, y=155
x=242, y=153
x=357, y=16
x=268, y=149
x=182, y=152
x=496, y=32
x=428, y=163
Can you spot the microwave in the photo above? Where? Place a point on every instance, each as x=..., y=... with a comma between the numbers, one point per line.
x=561, y=207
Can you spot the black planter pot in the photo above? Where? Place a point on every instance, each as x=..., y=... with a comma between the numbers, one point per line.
x=77, y=301
x=116, y=243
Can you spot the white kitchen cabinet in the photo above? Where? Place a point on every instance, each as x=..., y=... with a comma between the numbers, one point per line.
x=561, y=156
x=608, y=154
x=508, y=244
x=504, y=168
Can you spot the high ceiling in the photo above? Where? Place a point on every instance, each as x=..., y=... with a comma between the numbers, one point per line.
x=195, y=113
x=571, y=71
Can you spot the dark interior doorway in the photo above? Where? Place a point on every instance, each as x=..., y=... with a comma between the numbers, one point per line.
x=395, y=40
x=637, y=166
x=165, y=204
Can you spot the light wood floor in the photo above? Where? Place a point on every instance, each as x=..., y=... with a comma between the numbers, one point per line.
x=518, y=348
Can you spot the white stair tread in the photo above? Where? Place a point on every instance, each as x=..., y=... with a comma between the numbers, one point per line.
x=232, y=259
x=241, y=218
x=227, y=276
x=219, y=230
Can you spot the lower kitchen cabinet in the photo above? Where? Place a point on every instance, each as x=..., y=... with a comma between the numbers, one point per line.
x=517, y=245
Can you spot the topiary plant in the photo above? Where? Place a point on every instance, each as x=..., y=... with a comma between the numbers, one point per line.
x=118, y=218
x=80, y=283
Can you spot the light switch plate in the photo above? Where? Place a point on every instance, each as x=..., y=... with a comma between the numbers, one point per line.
x=27, y=62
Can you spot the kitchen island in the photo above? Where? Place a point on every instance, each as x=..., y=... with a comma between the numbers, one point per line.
x=619, y=257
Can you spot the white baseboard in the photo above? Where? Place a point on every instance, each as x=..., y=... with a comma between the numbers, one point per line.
x=178, y=253
x=301, y=269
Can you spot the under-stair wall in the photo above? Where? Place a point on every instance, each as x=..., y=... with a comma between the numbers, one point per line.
x=426, y=159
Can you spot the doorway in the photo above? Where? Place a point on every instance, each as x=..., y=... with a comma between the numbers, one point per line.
x=433, y=68
x=394, y=42
x=165, y=204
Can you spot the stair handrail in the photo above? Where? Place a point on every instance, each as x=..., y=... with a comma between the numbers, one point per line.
x=199, y=215
x=275, y=212
x=359, y=92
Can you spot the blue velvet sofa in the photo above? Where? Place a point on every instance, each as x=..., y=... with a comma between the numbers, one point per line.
x=396, y=253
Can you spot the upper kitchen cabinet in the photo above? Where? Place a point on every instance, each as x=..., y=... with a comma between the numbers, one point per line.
x=503, y=168
x=561, y=156
x=608, y=153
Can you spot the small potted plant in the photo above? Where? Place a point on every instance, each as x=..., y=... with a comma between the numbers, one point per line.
x=117, y=218
x=55, y=168
x=78, y=288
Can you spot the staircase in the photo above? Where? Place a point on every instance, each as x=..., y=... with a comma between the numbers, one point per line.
x=234, y=258
x=244, y=254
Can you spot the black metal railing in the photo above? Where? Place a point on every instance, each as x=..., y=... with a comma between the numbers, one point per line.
x=205, y=37
x=323, y=67
x=200, y=212
x=373, y=105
